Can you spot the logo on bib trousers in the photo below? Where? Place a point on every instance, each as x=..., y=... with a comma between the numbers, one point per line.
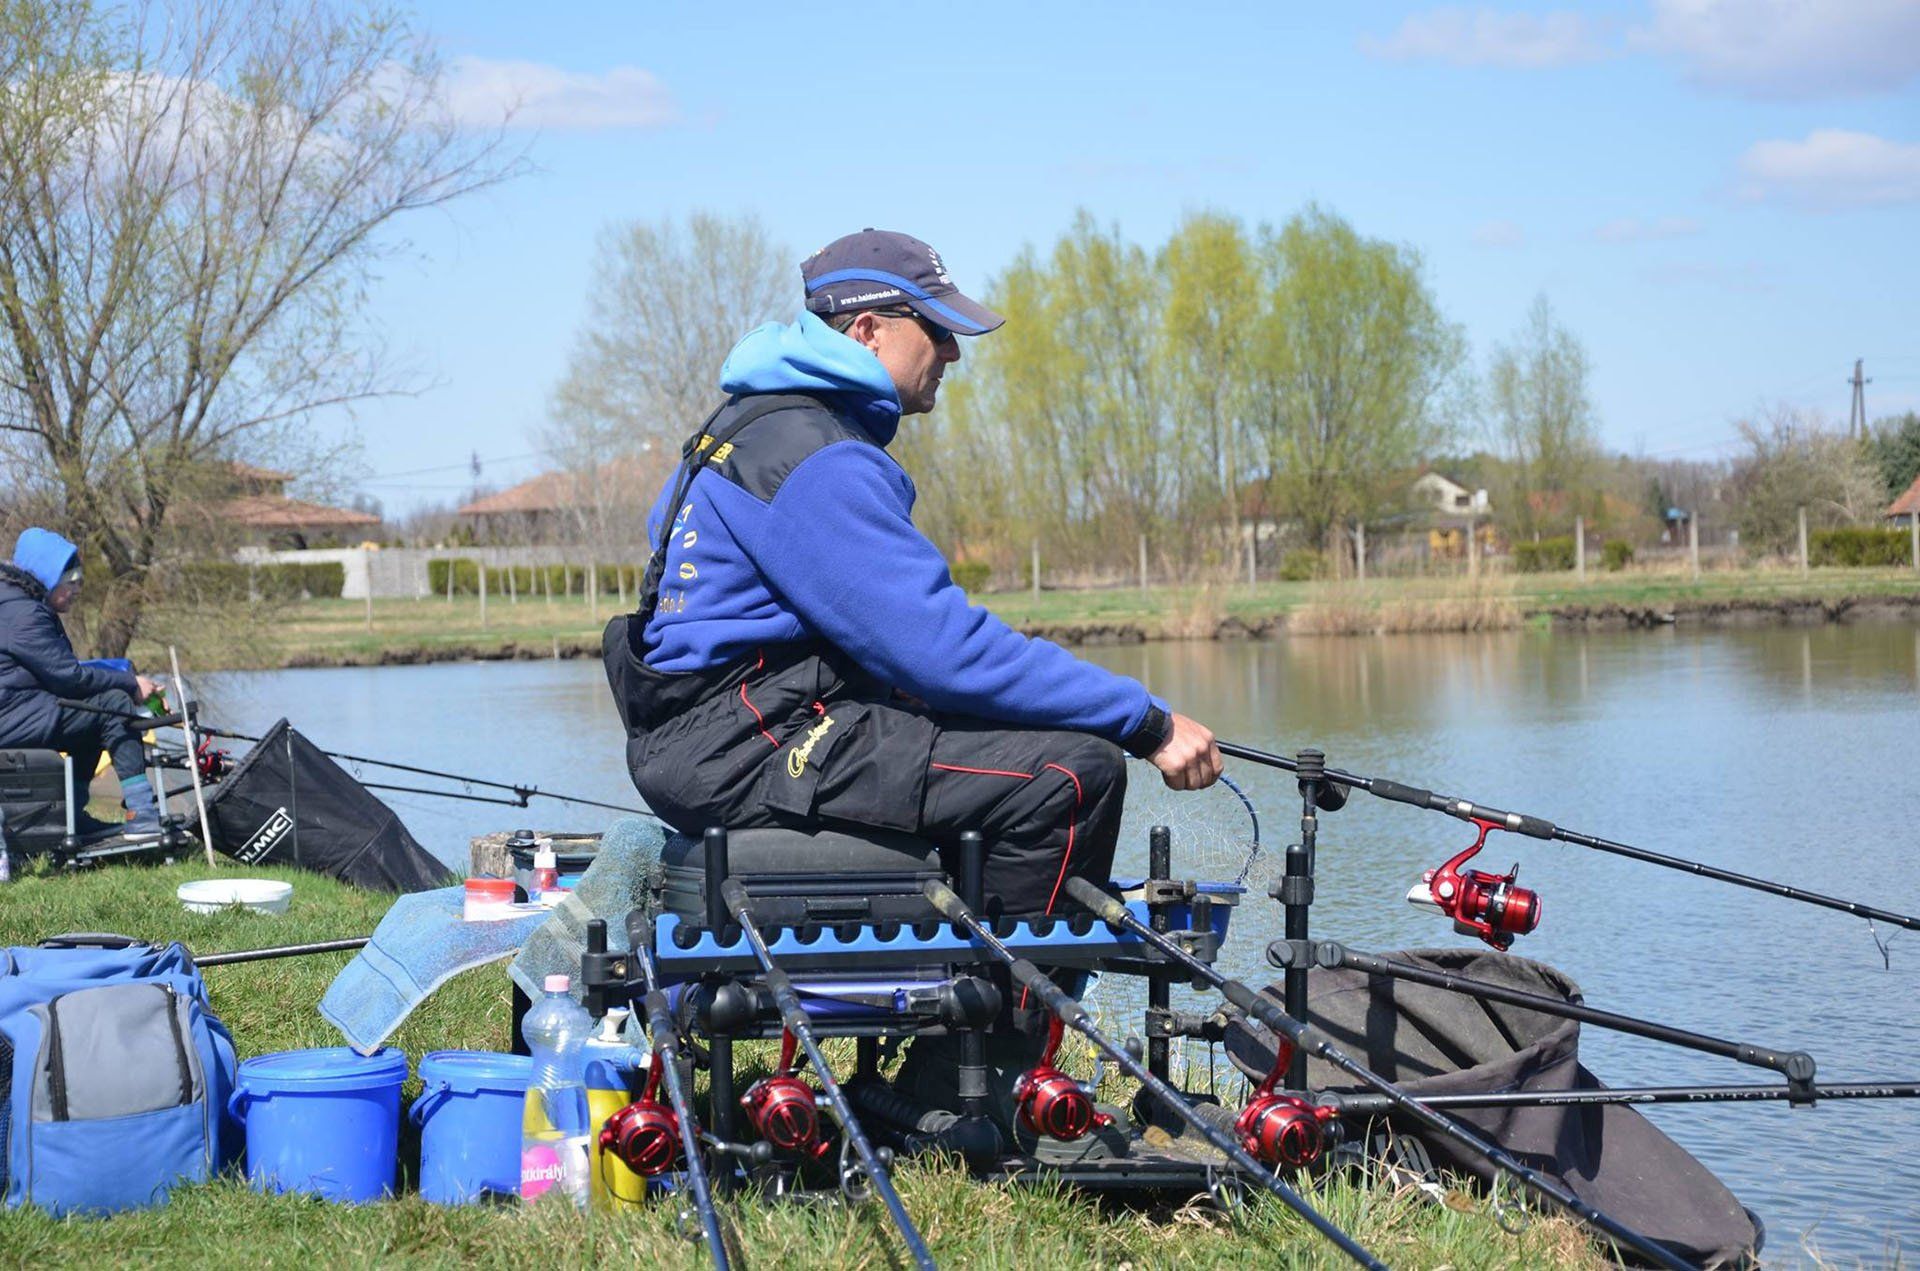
x=798, y=756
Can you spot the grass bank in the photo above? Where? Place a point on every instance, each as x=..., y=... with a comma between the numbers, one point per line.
x=398, y=632
x=270, y=1006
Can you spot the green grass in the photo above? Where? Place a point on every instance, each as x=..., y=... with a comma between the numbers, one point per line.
x=332, y=632
x=270, y=1006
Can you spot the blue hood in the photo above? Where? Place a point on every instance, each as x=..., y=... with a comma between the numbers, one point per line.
x=46, y=555
x=808, y=356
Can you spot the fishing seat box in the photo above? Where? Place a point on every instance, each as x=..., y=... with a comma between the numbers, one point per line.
x=33, y=798
x=796, y=877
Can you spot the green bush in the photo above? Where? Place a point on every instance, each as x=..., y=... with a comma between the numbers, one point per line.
x=1616, y=554
x=971, y=575
x=1856, y=547
x=233, y=582
x=1544, y=557
x=1302, y=564
x=528, y=580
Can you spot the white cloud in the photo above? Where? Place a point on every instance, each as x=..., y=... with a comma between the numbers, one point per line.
x=1486, y=37
x=1631, y=229
x=1499, y=234
x=1788, y=48
x=1832, y=168
x=485, y=93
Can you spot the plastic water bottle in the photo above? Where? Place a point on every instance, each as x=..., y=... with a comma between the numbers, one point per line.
x=554, y=1128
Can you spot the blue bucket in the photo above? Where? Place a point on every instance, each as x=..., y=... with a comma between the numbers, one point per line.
x=469, y=1111
x=325, y=1121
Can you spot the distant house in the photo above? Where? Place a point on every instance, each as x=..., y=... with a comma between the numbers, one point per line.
x=1451, y=512
x=1906, y=507
x=254, y=501
x=547, y=508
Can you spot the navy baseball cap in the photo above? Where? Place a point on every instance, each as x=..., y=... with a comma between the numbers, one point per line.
x=879, y=269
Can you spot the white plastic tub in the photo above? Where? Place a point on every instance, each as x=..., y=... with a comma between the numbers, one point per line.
x=211, y=895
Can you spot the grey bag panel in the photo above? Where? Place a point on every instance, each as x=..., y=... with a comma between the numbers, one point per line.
x=114, y=1051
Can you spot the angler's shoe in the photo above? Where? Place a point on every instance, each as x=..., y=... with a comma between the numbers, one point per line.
x=142, y=829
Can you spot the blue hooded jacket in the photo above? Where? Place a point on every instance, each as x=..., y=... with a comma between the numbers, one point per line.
x=834, y=555
x=37, y=665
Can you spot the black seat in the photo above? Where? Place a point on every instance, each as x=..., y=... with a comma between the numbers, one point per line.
x=801, y=876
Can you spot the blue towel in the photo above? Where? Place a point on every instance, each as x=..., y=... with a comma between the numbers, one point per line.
x=421, y=944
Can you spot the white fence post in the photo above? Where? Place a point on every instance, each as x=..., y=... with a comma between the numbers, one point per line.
x=1036, y=569
x=1693, y=543
x=1580, y=548
x=482, y=563
x=1143, y=563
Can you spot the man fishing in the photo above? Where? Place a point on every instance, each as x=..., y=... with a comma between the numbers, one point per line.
x=802, y=657
x=39, y=674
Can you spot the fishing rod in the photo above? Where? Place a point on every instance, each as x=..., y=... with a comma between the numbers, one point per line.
x=1357, y=1104
x=637, y=1127
x=1074, y=1016
x=1490, y=818
x=520, y=793
x=1796, y=1066
x=794, y=1016
x=1312, y=1041
x=282, y=951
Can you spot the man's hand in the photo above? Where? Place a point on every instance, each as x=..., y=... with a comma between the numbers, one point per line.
x=1188, y=760
x=147, y=687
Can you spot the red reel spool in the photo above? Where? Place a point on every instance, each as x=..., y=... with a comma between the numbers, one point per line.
x=1051, y=1104
x=645, y=1134
x=783, y=1109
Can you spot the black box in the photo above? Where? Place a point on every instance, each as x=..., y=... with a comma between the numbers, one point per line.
x=33, y=797
x=795, y=877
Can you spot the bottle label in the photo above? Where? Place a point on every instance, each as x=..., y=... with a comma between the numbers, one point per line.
x=556, y=1162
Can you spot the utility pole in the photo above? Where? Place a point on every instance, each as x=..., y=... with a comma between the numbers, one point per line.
x=1857, y=412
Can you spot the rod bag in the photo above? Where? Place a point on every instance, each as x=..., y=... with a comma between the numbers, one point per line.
x=1429, y=1041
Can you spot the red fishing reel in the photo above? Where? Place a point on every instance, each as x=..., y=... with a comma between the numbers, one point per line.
x=213, y=764
x=1282, y=1130
x=1487, y=905
x=1050, y=1103
x=645, y=1134
x=783, y=1110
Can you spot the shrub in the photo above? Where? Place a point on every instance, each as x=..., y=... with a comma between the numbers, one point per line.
x=1544, y=557
x=1616, y=554
x=1857, y=547
x=1302, y=564
x=233, y=582
x=971, y=575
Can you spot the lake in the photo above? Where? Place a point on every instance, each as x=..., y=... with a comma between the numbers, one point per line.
x=1786, y=753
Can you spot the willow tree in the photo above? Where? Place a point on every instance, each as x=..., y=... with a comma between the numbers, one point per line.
x=193, y=200
x=1355, y=371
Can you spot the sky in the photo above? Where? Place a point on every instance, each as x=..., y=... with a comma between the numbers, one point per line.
x=1721, y=198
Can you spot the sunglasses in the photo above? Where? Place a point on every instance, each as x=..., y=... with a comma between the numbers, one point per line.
x=935, y=332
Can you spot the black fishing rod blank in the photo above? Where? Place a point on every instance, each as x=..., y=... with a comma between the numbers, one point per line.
x=1345, y=1103
x=1074, y=1016
x=1796, y=1066
x=1540, y=828
x=666, y=1045
x=1313, y=1041
x=281, y=951
x=521, y=793
x=794, y=1016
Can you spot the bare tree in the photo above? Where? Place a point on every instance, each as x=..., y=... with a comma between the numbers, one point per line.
x=1794, y=460
x=193, y=197
x=1544, y=419
x=668, y=302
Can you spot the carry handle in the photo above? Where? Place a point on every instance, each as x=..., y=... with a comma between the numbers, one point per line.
x=90, y=940
x=430, y=1098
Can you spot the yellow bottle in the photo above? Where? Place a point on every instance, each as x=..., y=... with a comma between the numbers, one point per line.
x=613, y=1065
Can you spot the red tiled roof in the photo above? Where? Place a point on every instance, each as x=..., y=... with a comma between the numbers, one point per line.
x=1909, y=503
x=273, y=511
x=559, y=491
x=248, y=472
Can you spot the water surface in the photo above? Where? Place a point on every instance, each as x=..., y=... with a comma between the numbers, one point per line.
x=1784, y=753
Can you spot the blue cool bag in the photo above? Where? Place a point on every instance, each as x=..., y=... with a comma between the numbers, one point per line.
x=114, y=1076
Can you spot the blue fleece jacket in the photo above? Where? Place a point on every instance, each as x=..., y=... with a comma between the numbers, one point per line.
x=834, y=555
